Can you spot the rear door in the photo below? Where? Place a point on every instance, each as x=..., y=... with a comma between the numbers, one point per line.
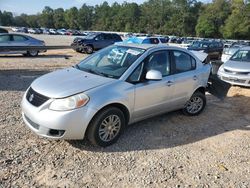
x=19, y=40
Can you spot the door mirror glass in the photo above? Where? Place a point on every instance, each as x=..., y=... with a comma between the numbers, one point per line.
x=153, y=75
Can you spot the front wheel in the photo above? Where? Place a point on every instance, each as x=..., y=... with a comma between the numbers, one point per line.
x=195, y=104
x=89, y=49
x=32, y=53
x=106, y=127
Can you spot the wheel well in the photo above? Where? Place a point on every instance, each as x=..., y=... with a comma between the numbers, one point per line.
x=201, y=89
x=119, y=106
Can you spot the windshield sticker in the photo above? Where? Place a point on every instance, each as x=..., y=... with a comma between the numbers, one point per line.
x=133, y=52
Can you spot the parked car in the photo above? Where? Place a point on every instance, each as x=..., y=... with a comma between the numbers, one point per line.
x=236, y=70
x=100, y=96
x=146, y=40
x=53, y=31
x=2, y=30
x=34, y=31
x=228, y=52
x=12, y=40
x=212, y=48
x=61, y=31
x=94, y=41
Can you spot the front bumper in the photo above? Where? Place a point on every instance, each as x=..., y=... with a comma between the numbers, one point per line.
x=56, y=124
x=235, y=79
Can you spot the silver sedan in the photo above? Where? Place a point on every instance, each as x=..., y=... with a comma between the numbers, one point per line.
x=14, y=40
x=236, y=70
x=112, y=88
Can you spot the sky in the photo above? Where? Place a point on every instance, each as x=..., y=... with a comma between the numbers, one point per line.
x=35, y=6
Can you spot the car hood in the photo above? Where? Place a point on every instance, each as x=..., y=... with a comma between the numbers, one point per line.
x=239, y=66
x=66, y=82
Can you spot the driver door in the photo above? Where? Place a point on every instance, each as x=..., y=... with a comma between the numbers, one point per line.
x=153, y=97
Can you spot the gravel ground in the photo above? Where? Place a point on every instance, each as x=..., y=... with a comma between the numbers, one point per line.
x=171, y=150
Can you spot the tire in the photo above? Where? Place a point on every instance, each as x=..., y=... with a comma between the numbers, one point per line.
x=89, y=49
x=32, y=53
x=97, y=131
x=195, y=104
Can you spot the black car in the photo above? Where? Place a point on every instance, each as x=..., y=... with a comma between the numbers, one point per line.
x=94, y=41
x=214, y=49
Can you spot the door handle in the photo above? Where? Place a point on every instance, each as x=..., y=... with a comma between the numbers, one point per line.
x=195, y=77
x=169, y=83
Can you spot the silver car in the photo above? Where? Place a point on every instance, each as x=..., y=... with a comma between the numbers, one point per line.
x=236, y=70
x=101, y=95
x=14, y=40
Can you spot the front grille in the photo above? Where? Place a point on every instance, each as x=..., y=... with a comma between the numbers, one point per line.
x=234, y=72
x=234, y=80
x=35, y=98
x=34, y=125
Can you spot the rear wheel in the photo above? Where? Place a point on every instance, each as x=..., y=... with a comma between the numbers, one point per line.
x=195, y=104
x=106, y=127
x=32, y=53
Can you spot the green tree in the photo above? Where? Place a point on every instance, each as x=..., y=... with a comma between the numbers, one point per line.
x=71, y=18
x=212, y=19
x=58, y=18
x=85, y=17
x=46, y=18
x=238, y=23
x=6, y=18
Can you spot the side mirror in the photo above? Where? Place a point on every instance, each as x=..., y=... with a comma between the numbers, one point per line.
x=153, y=75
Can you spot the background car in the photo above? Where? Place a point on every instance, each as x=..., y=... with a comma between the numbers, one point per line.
x=212, y=48
x=236, y=70
x=14, y=40
x=95, y=41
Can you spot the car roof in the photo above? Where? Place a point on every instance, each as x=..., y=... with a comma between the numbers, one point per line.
x=134, y=45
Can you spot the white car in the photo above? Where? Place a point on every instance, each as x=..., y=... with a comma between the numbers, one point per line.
x=236, y=70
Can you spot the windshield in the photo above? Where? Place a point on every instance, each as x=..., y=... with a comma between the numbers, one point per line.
x=230, y=51
x=91, y=36
x=111, y=62
x=241, y=55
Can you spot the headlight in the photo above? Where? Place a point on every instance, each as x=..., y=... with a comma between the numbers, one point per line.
x=221, y=69
x=69, y=103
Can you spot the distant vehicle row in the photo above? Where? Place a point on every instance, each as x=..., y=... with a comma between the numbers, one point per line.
x=48, y=31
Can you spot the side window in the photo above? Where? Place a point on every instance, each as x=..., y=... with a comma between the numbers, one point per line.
x=163, y=40
x=4, y=38
x=99, y=37
x=154, y=41
x=107, y=36
x=159, y=61
x=146, y=41
x=19, y=38
x=183, y=62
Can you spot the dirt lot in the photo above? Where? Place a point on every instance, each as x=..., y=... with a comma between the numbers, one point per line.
x=172, y=150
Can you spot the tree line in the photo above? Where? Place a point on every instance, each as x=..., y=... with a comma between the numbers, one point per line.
x=218, y=19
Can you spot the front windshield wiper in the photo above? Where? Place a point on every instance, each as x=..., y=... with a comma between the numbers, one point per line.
x=100, y=73
x=94, y=71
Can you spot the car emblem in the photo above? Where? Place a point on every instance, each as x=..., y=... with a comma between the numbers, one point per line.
x=31, y=97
